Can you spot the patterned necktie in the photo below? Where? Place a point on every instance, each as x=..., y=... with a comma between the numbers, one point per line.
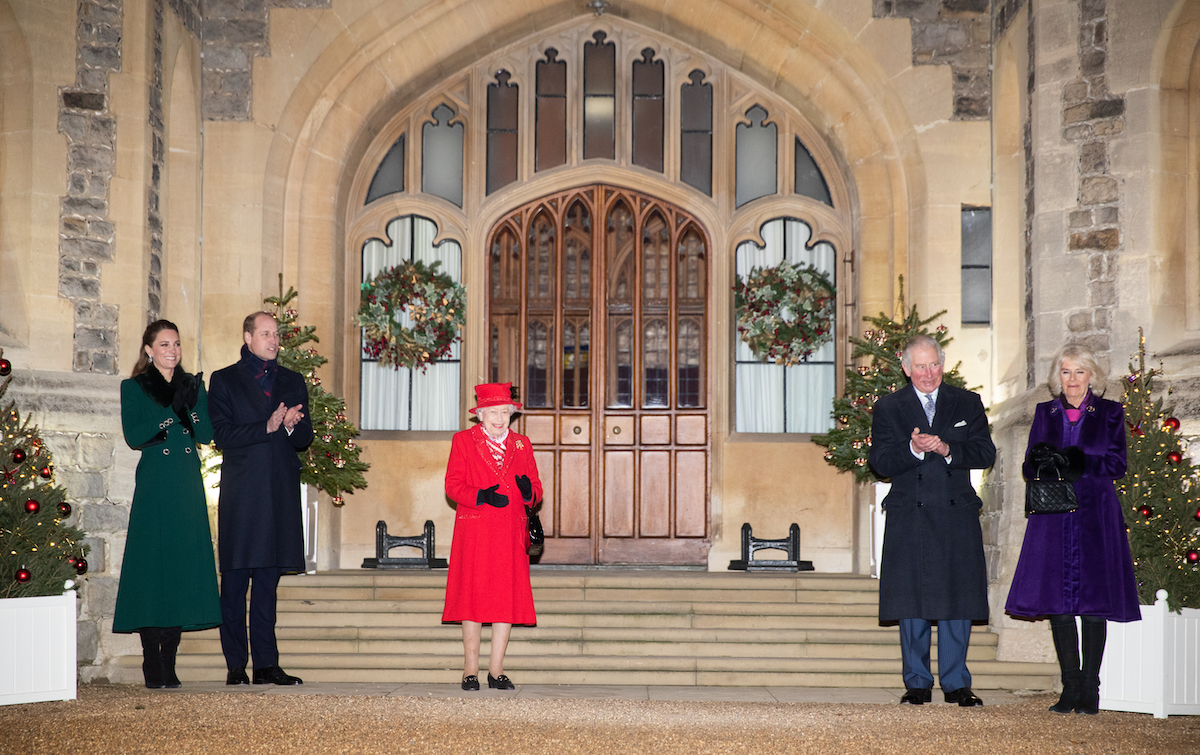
x=497, y=449
x=929, y=408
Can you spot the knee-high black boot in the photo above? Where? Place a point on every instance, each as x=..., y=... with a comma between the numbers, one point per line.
x=170, y=645
x=1095, y=633
x=1066, y=646
x=152, y=657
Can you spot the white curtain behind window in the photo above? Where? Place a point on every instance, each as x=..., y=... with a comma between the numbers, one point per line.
x=407, y=399
x=771, y=398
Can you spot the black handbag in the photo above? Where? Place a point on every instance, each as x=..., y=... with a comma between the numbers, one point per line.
x=537, y=536
x=1049, y=496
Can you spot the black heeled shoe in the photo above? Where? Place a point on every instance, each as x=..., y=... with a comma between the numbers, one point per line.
x=471, y=683
x=500, y=682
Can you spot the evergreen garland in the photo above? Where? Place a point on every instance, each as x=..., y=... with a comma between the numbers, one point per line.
x=1160, y=495
x=878, y=373
x=38, y=553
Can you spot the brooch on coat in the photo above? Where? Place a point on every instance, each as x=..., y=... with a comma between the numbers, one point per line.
x=519, y=445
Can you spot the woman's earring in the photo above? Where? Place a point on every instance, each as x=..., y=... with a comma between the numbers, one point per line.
x=151, y=360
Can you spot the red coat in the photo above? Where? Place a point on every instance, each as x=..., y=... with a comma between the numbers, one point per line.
x=489, y=569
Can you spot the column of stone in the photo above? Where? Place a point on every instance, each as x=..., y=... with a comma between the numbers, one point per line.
x=1091, y=117
x=157, y=163
x=86, y=234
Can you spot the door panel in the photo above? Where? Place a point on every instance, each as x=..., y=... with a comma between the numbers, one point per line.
x=618, y=493
x=598, y=313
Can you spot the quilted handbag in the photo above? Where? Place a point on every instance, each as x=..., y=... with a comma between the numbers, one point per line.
x=1049, y=496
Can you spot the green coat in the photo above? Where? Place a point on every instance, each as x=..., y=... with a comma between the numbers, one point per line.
x=168, y=578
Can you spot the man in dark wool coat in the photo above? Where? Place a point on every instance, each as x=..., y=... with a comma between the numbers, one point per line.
x=260, y=422
x=926, y=437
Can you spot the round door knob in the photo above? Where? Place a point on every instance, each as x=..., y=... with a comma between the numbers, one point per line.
x=577, y=430
x=617, y=430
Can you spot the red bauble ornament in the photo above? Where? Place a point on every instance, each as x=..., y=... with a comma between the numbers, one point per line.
x=1175, y=457
x=23, y=576
x=1146, y=511
x=46, y=471
x=1170, y=423
x=1193, y=556
x=32, y=506
x=1137, y=430
x=1198, y=515
x=64, y=509
x=18, y=455
x=5, y=367
x=81, y=565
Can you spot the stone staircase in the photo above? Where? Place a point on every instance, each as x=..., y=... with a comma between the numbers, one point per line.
x=600, y=626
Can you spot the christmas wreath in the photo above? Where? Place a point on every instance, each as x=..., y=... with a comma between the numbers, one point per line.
x=785, y=313
x=434, y=306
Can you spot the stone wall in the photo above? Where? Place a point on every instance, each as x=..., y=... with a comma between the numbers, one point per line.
x=954, y=32
x=234, y=33
x=86, y=232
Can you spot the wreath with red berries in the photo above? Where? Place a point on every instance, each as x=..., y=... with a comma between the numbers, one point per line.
x=785, y=313
x=411, y=315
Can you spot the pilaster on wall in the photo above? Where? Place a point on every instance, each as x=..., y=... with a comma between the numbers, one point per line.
x=86, y=234
x=1091, y=117
x=234, y=32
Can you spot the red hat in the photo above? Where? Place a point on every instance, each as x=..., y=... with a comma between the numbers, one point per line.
x=494, y=394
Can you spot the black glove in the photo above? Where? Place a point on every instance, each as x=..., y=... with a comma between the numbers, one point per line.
x=491, y=497
x=1073, y=463
x=1042, y=453
x=186, y=394
x=526, y=487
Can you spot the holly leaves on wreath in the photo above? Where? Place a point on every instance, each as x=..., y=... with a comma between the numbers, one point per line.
x=785, y=313
x=410, y=314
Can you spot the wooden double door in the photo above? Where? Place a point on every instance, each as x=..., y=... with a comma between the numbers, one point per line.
x=598, y=312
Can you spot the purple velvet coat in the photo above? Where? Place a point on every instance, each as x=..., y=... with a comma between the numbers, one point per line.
x=1079, y=563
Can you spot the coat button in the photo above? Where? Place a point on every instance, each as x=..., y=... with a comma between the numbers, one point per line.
x=166, y=452
x=951, y=501
x=920, y=476
x=919, y=504
x=188, y=451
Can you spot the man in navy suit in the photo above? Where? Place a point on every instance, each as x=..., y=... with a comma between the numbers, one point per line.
x=926, y=437
x=260, y=419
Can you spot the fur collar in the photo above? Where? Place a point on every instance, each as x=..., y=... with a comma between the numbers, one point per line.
x=159, y=389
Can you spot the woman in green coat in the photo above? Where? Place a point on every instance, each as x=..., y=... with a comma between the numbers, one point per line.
x=168, y=578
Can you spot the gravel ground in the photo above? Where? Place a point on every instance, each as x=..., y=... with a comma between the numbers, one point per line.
x=128, y=719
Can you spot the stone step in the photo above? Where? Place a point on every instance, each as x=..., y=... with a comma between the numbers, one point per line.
x=659, y=627
x=621, y=670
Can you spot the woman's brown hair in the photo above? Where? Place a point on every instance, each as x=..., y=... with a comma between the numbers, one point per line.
x=152, y=331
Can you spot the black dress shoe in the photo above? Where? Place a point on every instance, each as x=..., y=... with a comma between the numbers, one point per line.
x=274, y=675
x=500, y=682
x=237, y=676
x=916, y=696
x=964, y=697
x=471, y=683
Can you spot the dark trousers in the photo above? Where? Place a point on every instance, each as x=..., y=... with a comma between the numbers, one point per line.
x=954, y=635
x=234, y=583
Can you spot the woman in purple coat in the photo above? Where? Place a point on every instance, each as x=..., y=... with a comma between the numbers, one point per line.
x=1077, y=564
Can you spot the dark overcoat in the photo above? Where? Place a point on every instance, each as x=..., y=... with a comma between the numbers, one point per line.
x=1079, y=563
x=933, y=563
x=259, y=517
x=167, y=576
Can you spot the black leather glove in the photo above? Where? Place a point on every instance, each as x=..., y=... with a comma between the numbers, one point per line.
x=186, y=394
x=1074, y=462
x=1042, y=453
x=526, y=487
x=491, y=497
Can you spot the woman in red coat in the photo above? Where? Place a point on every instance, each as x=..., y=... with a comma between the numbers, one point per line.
x=491, y=470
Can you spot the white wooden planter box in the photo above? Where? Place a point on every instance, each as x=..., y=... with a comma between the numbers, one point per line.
x=37, y=649
x=1153, y=665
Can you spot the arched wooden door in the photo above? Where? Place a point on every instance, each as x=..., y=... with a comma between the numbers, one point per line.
x=597, y=305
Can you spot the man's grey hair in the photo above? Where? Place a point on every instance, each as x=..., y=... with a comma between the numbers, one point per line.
x=920, y=341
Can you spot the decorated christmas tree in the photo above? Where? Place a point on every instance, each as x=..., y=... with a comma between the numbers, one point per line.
x=1160, y=495
x=331, y=462
x=878, y=373
x=38, y=553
